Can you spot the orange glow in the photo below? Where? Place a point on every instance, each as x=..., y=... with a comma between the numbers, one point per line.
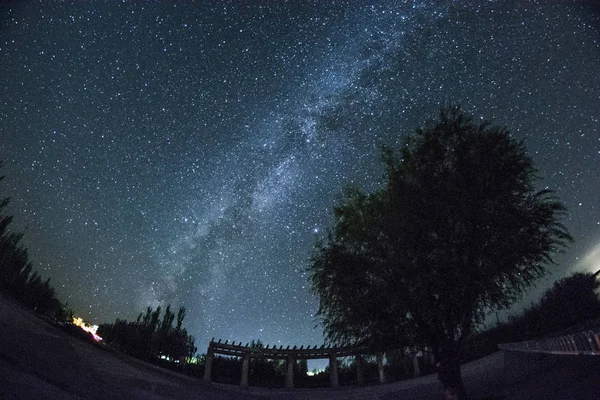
x=87, y=327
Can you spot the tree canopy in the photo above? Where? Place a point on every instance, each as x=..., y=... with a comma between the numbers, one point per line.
x=17, y=278
x=457, y=230
x=570, y=301
x=150, y=337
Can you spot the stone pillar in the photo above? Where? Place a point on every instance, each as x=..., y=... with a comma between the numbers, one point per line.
x=430, y=359
x=289, y=375
x=245, y=368
x=333, y=371
x=416, y=369
x=360, y=380
x=380, y=368
x=208, y=363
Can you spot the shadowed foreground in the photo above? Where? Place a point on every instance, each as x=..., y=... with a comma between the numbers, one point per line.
x=38, y=360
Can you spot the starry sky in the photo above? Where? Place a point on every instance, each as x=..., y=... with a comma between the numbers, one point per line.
x=191, y=152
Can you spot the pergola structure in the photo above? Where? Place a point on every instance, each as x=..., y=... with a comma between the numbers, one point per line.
x=290, y=355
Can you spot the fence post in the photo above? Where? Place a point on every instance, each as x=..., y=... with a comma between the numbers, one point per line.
x=289, y=376
x=416, y=368
x=380, y=368
x=333, y=371
x=245, y=368
x=208, y=362
x=360, y=380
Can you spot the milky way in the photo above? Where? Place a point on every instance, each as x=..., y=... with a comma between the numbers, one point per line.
x=191, y=153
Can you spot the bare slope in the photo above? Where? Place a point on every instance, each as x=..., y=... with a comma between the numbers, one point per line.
x=39, y=361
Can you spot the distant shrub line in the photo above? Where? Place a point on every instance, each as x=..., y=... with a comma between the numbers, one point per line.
x=17, y=278
x=150, y=337
x=571, y=304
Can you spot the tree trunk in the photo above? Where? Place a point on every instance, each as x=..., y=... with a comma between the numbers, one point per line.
x=449, y=372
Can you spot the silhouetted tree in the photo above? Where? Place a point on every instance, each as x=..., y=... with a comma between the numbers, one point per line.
x=150, y=337
x=180, y=317
x=17, y=277
x=14, y=260
x=572, y=303
x=457, y=230
x=569, y=301
x=300, y=370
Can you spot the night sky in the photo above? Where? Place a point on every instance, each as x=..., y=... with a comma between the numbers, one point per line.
x=191, y=152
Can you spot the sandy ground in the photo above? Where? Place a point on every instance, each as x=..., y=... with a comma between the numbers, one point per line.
x=39, y=361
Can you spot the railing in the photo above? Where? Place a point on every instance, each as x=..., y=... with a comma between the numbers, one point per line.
x=581, y=343
x=291, y=355
x=281, y=353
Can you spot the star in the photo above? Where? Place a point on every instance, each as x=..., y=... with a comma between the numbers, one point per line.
x=193, y=155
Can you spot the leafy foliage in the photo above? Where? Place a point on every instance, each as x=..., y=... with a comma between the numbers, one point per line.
x=570, y=301
x=458, y=230
x=17, y=278
x=572, y=304
x=150, y=337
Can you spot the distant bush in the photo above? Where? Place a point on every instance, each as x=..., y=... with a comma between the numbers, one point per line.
x=149, y=337
x=17, y=278
x=570, y=302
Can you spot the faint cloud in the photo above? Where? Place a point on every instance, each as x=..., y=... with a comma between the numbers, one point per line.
x=591, y=261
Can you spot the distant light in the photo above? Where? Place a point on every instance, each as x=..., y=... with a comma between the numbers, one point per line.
x=96, y=337
x=91, y=329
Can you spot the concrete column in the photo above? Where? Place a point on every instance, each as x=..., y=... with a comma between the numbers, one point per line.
x=416, y=369
x=333, y=371
x=360, y=380
x=208, y=363
x=289, y=376
x=430, y=359
x=245, y=368
x=380, y=368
